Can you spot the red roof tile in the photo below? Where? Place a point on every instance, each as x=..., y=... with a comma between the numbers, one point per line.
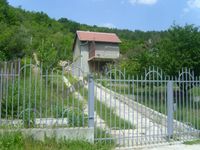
x=98, y=37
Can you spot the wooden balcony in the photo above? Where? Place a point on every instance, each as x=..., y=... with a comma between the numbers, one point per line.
x=103, y=52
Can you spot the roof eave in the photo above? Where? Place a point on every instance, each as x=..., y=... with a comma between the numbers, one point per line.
x=117, y=42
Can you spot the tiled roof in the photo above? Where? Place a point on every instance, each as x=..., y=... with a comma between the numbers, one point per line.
x=98, y=37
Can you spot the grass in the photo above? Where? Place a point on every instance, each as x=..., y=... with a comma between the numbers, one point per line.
x=103, y=138
x=9, y=141
x=111, y=119
x=15, y=140
x=192, y=142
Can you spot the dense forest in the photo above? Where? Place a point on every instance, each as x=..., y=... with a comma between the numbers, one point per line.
x=23, y=33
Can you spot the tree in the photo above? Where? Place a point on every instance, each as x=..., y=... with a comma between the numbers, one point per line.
x=47, y=54
x=181, y=48
x=13, y=41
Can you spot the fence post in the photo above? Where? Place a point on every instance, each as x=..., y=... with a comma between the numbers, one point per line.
x=170, y=109
x=90, y=100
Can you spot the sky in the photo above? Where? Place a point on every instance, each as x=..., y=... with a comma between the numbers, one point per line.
x=146, y=15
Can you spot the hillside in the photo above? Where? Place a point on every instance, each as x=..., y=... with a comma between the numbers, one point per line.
x=23, y=33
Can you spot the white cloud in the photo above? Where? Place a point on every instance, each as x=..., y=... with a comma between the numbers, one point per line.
x=193, y=3
x=144, y=2
x=108, y=25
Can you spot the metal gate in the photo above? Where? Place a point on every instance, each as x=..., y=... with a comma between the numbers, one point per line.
x=123, y=110
x=133, y=111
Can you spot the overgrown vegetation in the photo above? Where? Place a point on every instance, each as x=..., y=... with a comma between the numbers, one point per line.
x=10, y=141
